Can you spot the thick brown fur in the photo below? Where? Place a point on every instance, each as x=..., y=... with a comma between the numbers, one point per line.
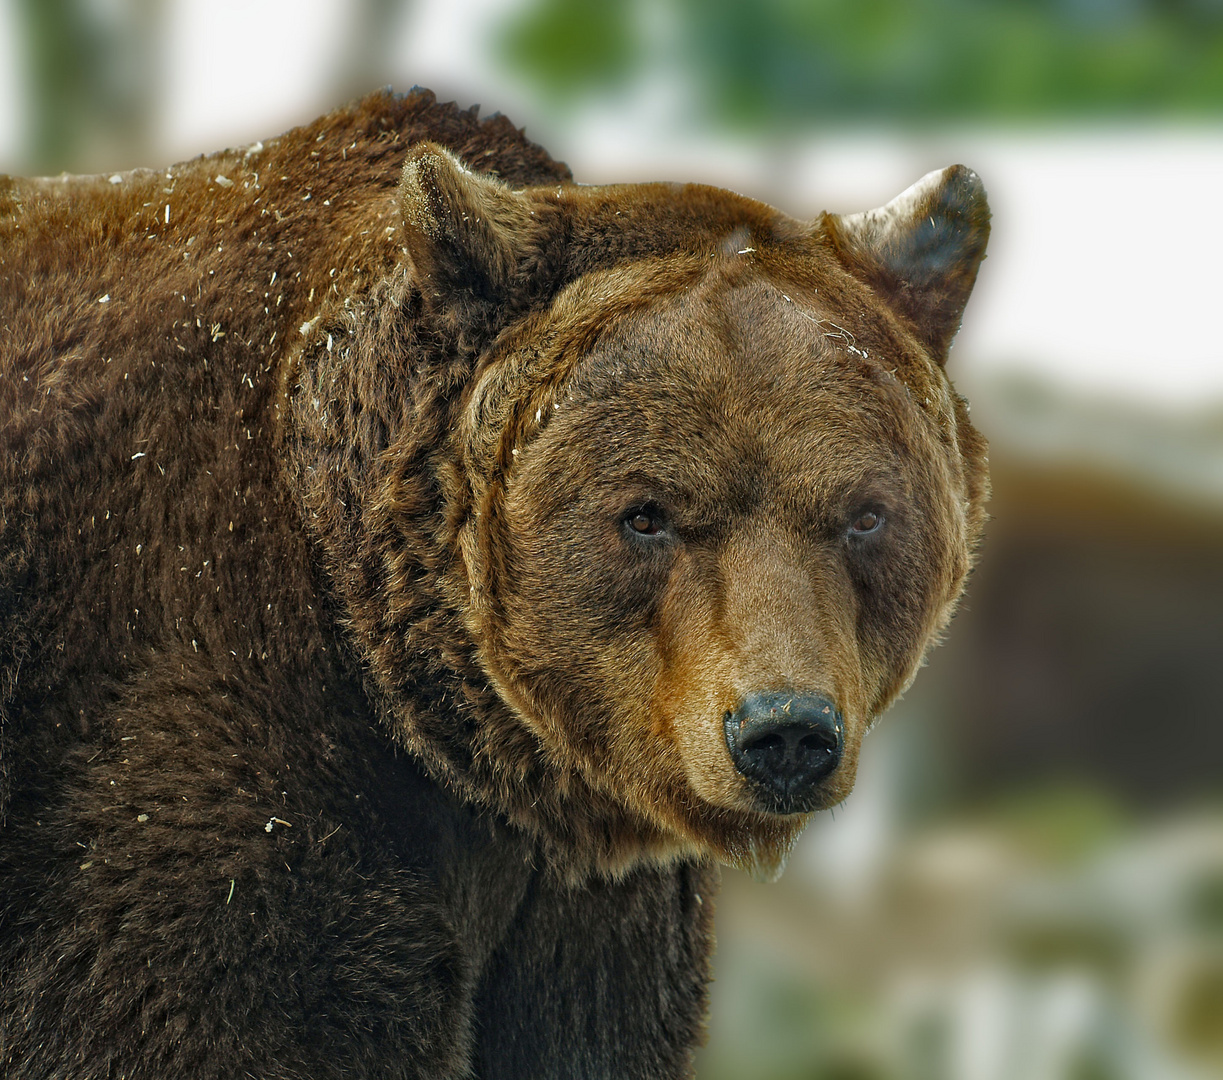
x=346, y=729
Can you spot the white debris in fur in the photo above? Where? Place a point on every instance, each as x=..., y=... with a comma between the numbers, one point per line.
x=851, y=342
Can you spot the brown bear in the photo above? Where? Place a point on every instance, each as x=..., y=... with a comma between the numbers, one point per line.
x=418, y=572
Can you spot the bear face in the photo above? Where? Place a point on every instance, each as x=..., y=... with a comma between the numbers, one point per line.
x=710, y=497
x=720, y=501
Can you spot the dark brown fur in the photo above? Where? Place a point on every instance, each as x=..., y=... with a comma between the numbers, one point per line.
x=345, y=731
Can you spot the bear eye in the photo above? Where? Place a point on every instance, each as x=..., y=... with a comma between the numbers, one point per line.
x=644, y=521
x=867, y=522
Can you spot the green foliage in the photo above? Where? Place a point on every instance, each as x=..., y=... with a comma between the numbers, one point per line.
x=1060, y=823
x=775, y=1021
x=569, y=45
x=777, y=61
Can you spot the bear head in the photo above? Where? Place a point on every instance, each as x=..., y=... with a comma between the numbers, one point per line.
x=671, y=497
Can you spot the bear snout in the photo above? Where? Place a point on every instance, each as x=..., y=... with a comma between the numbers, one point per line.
x=785, y=744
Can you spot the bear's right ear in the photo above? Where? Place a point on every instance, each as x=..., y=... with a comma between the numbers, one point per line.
x=921, y=251
x=466, y=230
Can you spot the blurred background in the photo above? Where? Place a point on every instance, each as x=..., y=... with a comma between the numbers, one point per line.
x=1027, y=883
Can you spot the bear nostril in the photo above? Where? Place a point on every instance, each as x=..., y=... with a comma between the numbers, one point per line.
x=785, y=744
x=770, y=743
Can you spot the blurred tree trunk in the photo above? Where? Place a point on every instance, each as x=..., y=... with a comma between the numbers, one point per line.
x=92, y=77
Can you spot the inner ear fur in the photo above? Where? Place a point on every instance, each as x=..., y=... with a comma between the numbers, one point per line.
x=921, y=251
x=466, y=230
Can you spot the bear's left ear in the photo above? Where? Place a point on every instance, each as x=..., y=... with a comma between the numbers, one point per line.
x=466, y=230
x=921, y=251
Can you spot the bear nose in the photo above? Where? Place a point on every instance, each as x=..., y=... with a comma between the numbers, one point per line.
x=785, y=744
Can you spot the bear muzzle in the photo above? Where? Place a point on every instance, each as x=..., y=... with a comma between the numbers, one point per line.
x=785, y=745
